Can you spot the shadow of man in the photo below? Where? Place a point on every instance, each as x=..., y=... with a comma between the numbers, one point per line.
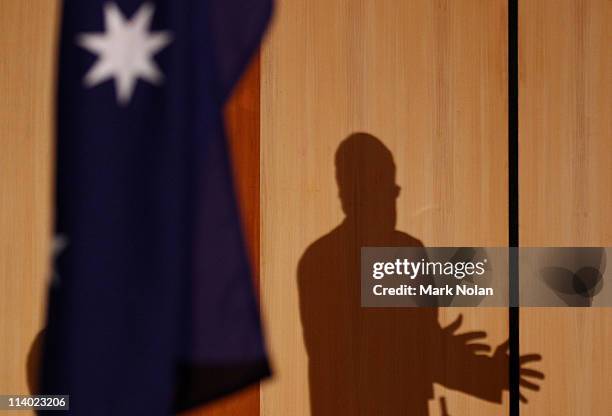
x=380, y=361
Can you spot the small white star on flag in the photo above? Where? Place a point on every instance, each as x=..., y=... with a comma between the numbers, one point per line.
x=60, y=242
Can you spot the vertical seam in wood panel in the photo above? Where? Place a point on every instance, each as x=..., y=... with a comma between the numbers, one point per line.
x=513, y=207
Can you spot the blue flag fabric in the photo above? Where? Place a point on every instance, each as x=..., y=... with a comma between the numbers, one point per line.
x=151, y=308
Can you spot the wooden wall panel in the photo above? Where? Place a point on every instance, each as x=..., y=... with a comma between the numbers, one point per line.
x=428, y=79
x=566, y=187
x=27, y=42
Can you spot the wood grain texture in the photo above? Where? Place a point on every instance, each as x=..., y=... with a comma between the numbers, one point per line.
x=428, y=79
x=27, y=49
x=242, y=126
x=566, y=187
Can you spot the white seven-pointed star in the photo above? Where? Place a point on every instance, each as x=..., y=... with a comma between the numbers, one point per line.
x=125, y=50
x=60, y=242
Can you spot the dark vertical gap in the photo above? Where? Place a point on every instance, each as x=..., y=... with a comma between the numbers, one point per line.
x=513, y=205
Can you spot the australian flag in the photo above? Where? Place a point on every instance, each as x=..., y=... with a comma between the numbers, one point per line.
x=151, y=306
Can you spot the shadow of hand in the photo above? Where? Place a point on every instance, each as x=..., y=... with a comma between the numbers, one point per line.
x=501, y=356
x=471, y=356
x=463, y=342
